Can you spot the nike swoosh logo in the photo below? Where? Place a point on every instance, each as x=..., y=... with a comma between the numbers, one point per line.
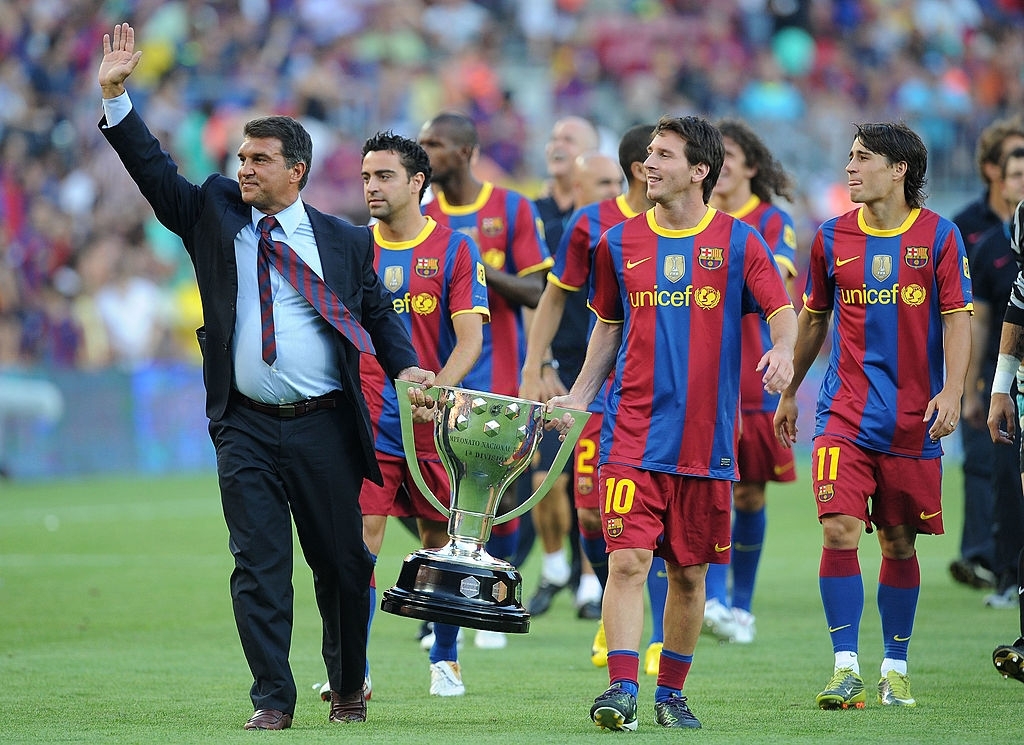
x=844, y=262
x=929, y=517
x=779, y=470
x=834, y=629
x=898, y=638
x=720, y=549
x=638, y=262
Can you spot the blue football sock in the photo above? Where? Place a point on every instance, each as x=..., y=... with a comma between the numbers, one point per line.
x=657, y=589
x=899, y=584
x=503, y=546
x=596, y=551
x=748, y=530
x=842, y=595
x=716, y=583
x=446, y=643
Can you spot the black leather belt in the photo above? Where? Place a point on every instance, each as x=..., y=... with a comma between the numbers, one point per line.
x=288, y=411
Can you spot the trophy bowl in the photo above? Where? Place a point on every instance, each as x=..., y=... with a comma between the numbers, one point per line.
x=484, y=441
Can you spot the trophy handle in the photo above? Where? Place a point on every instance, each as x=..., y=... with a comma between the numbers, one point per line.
x=571, y=436
x=409, y=441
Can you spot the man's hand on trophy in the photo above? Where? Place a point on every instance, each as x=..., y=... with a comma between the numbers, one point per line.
x=564, y=422
x=422, y=403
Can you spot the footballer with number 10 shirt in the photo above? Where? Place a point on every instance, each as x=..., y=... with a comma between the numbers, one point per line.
x=669, y=289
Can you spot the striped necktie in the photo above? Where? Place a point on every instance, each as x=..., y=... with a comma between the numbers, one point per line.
x=309, y=285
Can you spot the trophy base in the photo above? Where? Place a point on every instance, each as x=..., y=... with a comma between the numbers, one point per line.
x=433, y=587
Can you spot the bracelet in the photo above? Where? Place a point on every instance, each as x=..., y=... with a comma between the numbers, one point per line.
x=1006, y=371
x=553, y=364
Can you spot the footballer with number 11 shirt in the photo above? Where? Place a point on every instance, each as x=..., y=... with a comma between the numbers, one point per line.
x=895, y=275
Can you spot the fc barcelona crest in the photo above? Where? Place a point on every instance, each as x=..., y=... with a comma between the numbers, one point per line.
x=426, y=266
x=881, y=267
x=613, y=525
x=916, y=256
x=711, y=257
x=394, y=278
x=674, y=267
x=492, y=226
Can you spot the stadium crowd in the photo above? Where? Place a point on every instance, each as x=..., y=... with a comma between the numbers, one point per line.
x=89, y=279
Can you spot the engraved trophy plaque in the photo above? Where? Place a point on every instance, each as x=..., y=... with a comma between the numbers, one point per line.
x=484, y=441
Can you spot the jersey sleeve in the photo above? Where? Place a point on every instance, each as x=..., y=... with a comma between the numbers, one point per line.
x=571, y=270
x=761, y=275
x=468, y=290
x=528, y=250
x=953, y=273
x=779, y=233
x=605, y=294
x=819, y=294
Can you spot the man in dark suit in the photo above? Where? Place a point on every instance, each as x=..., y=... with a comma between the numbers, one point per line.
x=287, y=415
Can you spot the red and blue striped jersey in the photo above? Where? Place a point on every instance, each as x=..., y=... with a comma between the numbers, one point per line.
x=575, y=253
x=888, y=290
x=507, y=230
x=776, y=227
x=680, y=295
x=432, y=278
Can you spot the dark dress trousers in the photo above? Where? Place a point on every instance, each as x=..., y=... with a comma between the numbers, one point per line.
x=272, y=470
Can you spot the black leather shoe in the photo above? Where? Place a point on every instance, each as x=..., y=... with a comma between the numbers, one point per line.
x=541, y=600
x=590, y=610
x=269, y=719
x=350, y=708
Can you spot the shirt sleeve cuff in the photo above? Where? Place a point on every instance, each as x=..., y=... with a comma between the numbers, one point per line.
x=116, y=109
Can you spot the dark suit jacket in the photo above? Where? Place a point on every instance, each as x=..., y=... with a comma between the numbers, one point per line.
x=208, y=217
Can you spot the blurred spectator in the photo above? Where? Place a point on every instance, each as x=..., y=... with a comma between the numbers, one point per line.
x=800, y=71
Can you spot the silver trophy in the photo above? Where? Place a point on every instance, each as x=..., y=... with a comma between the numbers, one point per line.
x=484, y=442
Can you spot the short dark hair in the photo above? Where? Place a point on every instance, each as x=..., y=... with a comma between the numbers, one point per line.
x=461, y=128
x=633, y=147
x=412, y=156
x=296, y=144
x=898, y=142
x=703, y=145
x=770, y=177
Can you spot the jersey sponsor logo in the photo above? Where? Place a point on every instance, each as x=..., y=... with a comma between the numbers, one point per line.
x=631, y=264
x=916, y=257
x=711, y=257
x=925, y=516
x=494, y=258
x=492, y=227
x=613, y=526
x=394, y=278
x=722, y=549
x=427, y=266
x=422, y=304
x=826, y=492
x=881, y=267
x=912, y=295
x=674, y=267
x=834, y=629
x=844, y=262
x=584, y=484
x=707, y=297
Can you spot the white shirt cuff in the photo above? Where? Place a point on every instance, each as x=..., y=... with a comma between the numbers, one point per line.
x=116, y=109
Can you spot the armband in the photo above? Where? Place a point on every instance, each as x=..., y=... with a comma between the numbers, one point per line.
x=1006, y=371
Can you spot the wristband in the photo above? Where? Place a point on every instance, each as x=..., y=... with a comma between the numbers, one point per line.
x=1006, y=371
